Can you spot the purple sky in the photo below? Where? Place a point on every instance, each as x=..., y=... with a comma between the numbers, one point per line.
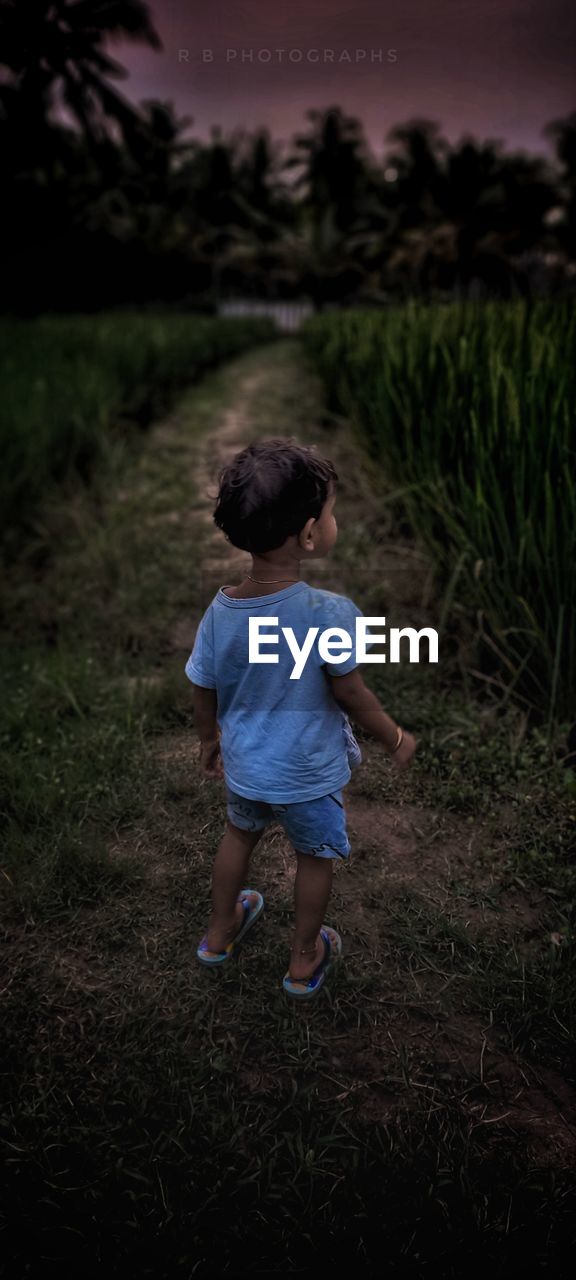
x=494, y=68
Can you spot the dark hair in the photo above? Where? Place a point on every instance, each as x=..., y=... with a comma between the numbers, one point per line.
x=268, y=492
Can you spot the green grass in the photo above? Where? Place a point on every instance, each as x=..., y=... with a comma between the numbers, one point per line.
x=196, y=1121
x=288, y=1205
x=73, y=764
x=87, y=671
x=71, y=383
x=163, y=1120
x=469, y=410
x=470, y=747
x=531, y=1001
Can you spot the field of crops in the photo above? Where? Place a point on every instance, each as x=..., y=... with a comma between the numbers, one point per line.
x=67, y=381
x=471, y=411
x=158, y=1116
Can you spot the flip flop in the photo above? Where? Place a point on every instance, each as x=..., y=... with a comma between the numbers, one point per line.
x=253, y=904
x=305, y=988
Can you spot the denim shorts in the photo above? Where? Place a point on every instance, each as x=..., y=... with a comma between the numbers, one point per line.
x=317, y=827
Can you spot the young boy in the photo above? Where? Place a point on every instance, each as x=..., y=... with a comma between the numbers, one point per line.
x=283, y=745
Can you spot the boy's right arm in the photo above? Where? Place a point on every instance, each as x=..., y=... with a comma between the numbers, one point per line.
x=364, y=708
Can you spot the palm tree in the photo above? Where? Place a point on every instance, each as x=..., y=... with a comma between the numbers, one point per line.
x=463, y=213
x=417, y=159
x=145, y=190
x=53, y=50
x=258, y=183
x=497, y=205
x=257, y=259
x=563, y=133
x=406, y=222
x=333, y=176
x=58, y=177
x=332, y=162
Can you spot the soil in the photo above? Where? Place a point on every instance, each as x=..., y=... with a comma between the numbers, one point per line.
x=405, y=847
x=403, y=853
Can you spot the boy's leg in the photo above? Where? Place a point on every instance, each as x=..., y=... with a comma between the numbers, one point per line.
x=312, y=889
x=229, y=875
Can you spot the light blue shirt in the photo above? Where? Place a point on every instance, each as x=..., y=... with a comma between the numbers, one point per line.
x=281, y=740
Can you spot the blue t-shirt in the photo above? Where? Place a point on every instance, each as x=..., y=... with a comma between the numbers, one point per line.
x=281, y=740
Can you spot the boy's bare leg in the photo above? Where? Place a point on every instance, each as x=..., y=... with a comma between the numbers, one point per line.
x=229, y=875
x=311, y=893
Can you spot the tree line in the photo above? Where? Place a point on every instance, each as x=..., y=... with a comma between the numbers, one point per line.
x=120, y=205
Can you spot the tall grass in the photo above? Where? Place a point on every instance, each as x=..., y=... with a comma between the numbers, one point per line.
x=470, y=409
x=67, y=381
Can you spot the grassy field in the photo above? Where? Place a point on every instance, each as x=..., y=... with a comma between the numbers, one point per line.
x=70, y=385
x=469, y=409
x=163, y=1120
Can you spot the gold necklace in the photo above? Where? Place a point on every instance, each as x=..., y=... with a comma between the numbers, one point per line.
x=265, y=581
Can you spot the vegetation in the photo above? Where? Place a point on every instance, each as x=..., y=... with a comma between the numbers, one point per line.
x=70, y=383
x=123, y=204
x=470, y=410
x=157, y=1117
x=160, y=1118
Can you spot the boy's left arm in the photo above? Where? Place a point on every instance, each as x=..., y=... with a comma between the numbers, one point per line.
x=205, y=705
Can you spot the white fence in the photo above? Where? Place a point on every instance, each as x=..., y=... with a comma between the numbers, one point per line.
x=288, y=315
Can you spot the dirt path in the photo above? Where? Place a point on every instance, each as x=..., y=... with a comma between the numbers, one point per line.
x=114, y=996
x=408, y=856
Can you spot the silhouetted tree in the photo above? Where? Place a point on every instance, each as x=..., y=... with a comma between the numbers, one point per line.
x=463, y=214
x=332, y=182
x=118, y=204
x=418, y=159
x=563, y=133
x=54, y=52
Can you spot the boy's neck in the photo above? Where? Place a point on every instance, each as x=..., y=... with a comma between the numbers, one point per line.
x=282, y=572
x=265, y=579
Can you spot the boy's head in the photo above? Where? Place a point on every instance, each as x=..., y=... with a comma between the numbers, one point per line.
x=274, y=490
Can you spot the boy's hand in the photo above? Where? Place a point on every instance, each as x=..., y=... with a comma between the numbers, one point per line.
x=402, y=758
x=211, y=760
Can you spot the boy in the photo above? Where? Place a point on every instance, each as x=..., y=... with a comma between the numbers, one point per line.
x=286, y=746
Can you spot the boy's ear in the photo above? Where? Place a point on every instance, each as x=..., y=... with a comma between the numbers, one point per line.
x=306, y=535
